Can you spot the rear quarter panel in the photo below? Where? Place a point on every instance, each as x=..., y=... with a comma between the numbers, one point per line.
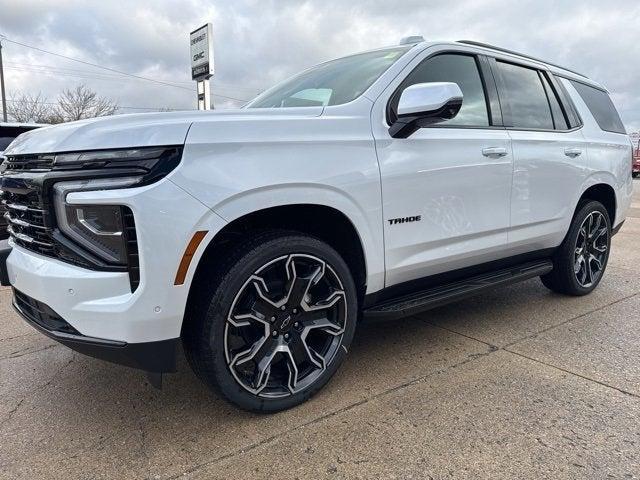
x=609, y=158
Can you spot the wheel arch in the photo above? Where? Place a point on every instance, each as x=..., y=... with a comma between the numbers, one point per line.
x=324, y=222
x=599, y=188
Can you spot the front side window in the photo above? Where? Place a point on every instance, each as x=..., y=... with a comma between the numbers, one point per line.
x=525, y=97
x=601, y=107
x=456, y=68
x=332, y=83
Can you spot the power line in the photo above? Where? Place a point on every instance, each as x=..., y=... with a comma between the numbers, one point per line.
x=88, y=74
x=95, y=65
x=159, y=82
x=37, y=67
x=119, y=107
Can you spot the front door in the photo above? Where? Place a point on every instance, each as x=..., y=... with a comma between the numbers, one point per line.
x=446, y=189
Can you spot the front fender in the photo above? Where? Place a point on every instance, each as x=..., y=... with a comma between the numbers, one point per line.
x=367, y=226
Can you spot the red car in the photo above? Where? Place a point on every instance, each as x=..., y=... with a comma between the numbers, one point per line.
x=636, y=163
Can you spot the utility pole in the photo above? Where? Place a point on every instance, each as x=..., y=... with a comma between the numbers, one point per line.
x=4, y=97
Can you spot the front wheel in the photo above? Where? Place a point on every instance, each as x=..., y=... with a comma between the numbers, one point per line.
x=580, y=262
x=278, y=322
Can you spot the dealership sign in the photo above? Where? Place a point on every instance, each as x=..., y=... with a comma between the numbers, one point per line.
x=201, y=53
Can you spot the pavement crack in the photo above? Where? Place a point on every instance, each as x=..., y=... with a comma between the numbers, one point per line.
x=239, y=451
x=564, y=370
x=33, y=334
x=506, y=348
x=13, y=411
x=27, y=351
x=143, y=444
x=582, y=315
x=490, y=345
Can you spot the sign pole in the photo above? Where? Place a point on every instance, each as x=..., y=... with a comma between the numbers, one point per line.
x=202, y=64
x=2, y=93
x=204, y=95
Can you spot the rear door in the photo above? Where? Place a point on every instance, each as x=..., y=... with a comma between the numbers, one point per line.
x=549, y=155
x=446, y=188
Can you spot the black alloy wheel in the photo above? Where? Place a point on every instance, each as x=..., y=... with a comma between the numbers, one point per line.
x=270, y=325
x=580, y=261
x=591, y=249
x=285, y=325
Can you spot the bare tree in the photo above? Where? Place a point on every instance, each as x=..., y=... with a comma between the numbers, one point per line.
x=26, y=108
x=80, y=103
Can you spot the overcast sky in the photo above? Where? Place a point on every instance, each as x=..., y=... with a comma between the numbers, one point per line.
x=260, y=42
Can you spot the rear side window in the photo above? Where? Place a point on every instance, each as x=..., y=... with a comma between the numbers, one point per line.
x=525, y=97
x=559, y=120
x=460, y=69
x=601, y=107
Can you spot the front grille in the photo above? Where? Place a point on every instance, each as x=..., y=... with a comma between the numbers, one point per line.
x=41, y=314
x=28, y=221
x=41, y=163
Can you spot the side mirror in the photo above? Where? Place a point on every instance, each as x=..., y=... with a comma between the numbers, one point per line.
x=424, y=104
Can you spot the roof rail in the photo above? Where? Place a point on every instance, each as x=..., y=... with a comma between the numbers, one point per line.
x=504, y=50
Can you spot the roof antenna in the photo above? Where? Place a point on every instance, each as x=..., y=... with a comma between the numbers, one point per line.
x=412, y=39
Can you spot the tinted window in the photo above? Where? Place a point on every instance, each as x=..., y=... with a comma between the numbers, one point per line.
x=525, y=97
x=4, y=142
x=460, y=69
x=601, y=107
x=559, y=119
x=570, y=109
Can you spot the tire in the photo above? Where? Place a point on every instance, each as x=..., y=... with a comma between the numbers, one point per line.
x=575, y=272
x=635, y=174
x=256, y=353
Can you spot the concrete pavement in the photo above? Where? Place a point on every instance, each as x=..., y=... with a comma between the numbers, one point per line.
x=518, y=383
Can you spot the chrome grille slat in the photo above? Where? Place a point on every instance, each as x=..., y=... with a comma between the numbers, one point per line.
x=23, y=208
x=35, y=163
x=27, y=222
x=26, y=238
x=22, y=223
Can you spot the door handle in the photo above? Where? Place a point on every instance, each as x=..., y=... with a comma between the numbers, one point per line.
x=495, y=152
x=572, y=152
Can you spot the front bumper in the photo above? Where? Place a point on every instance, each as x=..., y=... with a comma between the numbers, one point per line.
x=100, y=304
x=156, y=357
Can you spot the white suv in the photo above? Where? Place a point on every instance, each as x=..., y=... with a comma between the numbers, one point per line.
x=376, y=185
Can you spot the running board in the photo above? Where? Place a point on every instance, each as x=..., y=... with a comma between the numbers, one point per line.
x=452, y=292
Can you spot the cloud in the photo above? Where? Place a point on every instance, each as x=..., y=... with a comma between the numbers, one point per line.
x=258, y=43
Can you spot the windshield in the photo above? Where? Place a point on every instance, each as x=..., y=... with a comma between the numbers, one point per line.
x=332, y=83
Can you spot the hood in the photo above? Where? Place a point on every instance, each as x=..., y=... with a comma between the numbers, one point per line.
x=136, y=130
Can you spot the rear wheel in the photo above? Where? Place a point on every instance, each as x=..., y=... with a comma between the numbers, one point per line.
x=580, y=262
x=278, y=322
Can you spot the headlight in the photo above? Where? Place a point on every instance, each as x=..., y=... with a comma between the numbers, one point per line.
x=98, y=156
x=98, y=228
